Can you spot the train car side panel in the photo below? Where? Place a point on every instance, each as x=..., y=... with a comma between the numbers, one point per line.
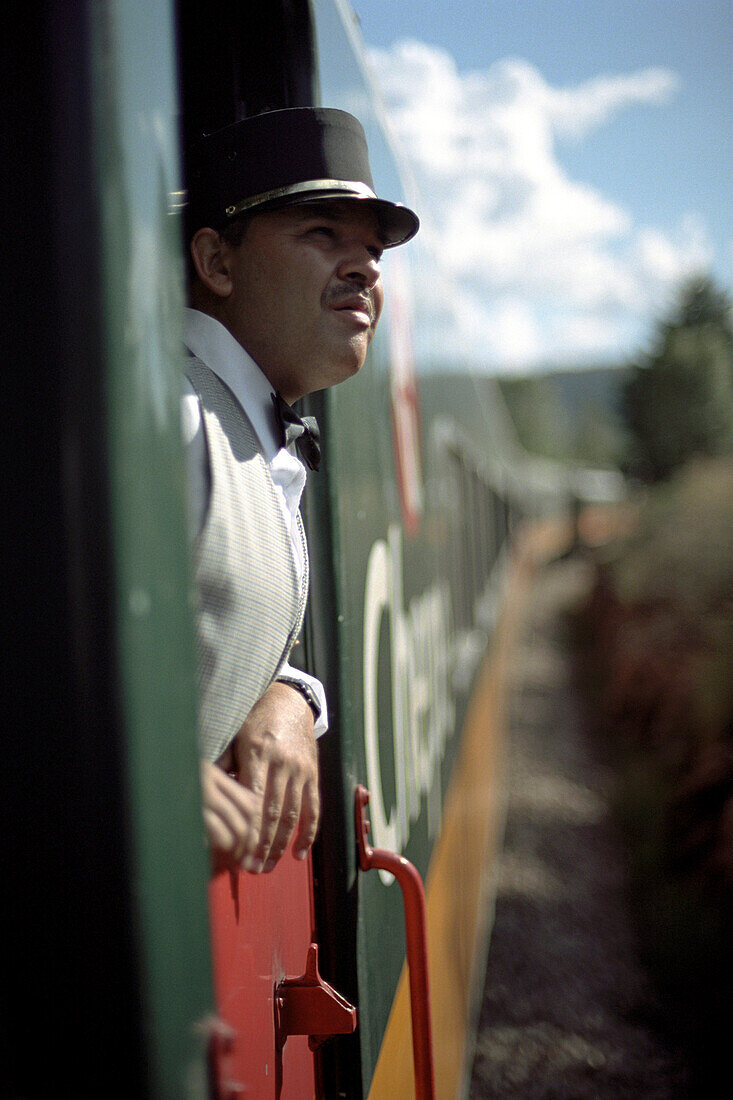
x=136, y=147
x=416, y=575
x=460, y=883
x=108, y=912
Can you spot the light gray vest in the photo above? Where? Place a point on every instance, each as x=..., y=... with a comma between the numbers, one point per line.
x=249, y=604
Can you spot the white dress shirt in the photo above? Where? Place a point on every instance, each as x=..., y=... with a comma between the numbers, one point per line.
x=215, y=346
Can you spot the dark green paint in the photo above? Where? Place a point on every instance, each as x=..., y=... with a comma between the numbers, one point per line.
x=136, y=142
x=452, y=548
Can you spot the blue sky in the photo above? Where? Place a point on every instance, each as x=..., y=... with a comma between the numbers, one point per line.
x=595, y=153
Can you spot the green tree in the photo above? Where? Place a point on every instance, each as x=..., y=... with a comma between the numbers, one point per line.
x=678, y=401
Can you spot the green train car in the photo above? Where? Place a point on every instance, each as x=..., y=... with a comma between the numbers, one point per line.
x=124, y=964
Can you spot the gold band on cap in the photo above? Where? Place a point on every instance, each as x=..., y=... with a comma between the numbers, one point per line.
x=355, y=188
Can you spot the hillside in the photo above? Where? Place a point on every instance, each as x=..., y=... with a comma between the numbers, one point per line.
x=569, y=414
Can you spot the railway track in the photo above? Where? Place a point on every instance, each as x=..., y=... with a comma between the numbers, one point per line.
x=568, y=1010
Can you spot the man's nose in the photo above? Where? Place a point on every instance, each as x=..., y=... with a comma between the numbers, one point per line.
x=360, y=265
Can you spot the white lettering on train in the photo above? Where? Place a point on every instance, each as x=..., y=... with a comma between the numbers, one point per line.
x=422, y=708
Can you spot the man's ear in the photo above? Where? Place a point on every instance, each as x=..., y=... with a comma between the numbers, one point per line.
x=211, y=259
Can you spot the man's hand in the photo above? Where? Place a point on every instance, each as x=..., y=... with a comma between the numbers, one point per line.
x=230, y=812
x=276, y=761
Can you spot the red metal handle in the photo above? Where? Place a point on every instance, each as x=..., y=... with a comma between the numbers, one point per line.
x=413, y=896
x=309, y=1006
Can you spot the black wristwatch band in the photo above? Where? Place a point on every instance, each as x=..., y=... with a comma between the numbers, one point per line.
x=306, y=691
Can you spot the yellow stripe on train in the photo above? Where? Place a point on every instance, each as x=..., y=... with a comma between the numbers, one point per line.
x=460, y=883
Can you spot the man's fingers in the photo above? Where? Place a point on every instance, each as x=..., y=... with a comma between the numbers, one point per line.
x=276, y=758
x=274, y=806
x=310, y=811
x=231, y=814
x=221, y=838
x=289, y=816
x=251, y=780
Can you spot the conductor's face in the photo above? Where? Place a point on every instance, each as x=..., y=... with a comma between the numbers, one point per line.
x=306, y=293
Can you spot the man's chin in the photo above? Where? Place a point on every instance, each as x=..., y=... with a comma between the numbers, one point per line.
x=335, y=364
x=349, y=362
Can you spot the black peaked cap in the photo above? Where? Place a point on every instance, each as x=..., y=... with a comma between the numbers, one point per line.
x=281, y=158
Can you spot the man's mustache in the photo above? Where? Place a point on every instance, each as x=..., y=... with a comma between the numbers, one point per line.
x=344, y=294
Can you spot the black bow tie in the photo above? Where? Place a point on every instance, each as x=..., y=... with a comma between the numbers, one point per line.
x=301, y=430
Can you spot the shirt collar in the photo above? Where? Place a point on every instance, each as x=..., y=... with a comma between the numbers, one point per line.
x=215, y=346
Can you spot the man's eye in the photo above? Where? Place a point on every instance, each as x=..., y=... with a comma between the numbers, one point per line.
x=326, y=230
x=376, y=253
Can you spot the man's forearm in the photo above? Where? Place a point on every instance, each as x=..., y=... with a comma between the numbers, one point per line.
x=289, y=675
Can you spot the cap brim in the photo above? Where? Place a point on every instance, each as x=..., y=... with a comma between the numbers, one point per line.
x=397, y=223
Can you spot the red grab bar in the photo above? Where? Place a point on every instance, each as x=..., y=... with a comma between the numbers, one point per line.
x=413, y=896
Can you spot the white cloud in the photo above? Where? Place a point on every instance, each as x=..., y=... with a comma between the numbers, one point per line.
x=668, y=259
x=523, y=242
x=574, y=111
x=515, y=337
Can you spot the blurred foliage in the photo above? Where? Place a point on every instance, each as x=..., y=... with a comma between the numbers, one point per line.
x=678, y=400
x=661, y=620
x=658, y=656
x=650, y=416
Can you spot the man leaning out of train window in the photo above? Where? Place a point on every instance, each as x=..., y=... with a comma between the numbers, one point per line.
x=285, y=234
